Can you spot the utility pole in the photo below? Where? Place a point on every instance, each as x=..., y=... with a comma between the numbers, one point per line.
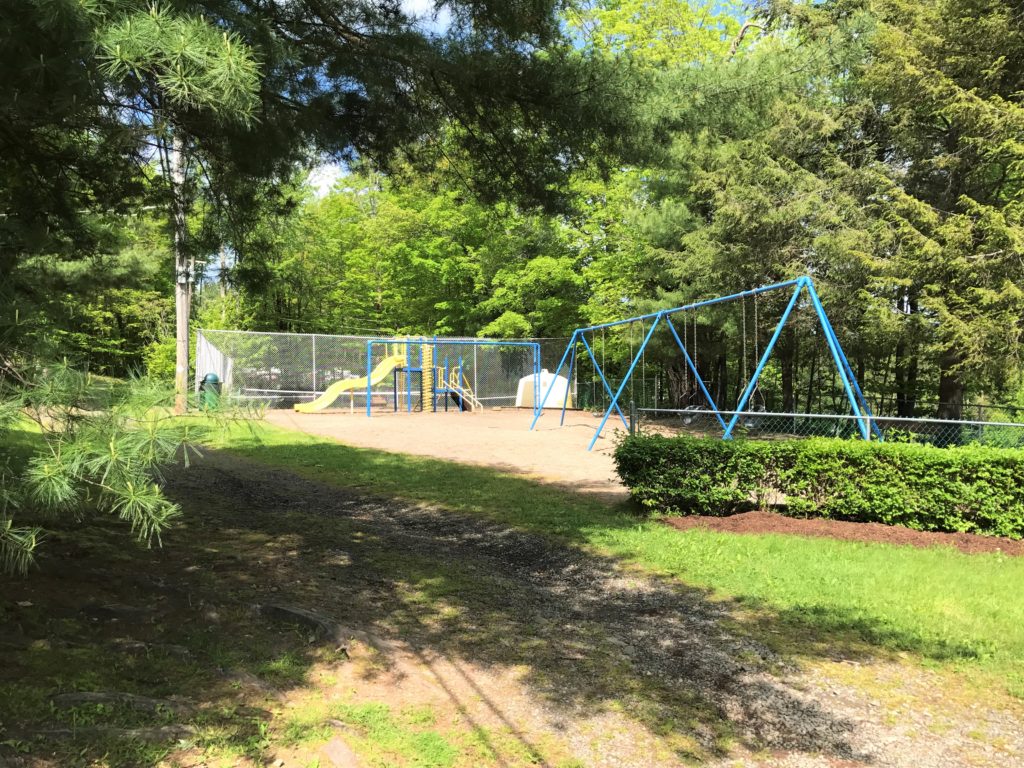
x=182, y=271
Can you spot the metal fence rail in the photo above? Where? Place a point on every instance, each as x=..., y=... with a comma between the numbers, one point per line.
x=282, y=369
x=764, y=425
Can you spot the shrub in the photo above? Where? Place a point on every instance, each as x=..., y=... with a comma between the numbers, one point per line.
x=967, y=488
x=160, y=360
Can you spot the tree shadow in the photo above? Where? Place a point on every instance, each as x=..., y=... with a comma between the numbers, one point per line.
x=591, y=635
x=455, y=591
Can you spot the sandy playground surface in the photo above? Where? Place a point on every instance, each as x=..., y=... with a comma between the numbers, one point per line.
x=496, y=438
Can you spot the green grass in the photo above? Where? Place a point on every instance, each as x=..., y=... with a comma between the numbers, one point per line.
x=20, y=442
x=814, y=596
x=810, y=598
x=381, y=737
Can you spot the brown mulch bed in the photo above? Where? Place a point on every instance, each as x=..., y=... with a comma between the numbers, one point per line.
x=770, y=522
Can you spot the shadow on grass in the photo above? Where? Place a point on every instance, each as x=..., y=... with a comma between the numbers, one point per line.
x=579, y=520
x=104, y=614
x=592, y=637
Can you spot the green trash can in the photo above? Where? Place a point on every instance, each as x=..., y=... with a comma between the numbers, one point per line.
x=209, y=391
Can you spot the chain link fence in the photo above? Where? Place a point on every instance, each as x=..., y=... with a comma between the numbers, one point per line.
x=763, y=425
x=279, y=370
x=993, y=425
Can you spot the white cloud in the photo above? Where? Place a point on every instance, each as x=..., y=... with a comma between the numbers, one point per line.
x=417, y=7
x=432, y=19
x=323, y=178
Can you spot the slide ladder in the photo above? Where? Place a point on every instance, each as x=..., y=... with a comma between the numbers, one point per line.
x=462, y=392
x=427, y=378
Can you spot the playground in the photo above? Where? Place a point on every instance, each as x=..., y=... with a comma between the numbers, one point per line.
x=551, y=409
x=415, y=560
x=765, y=362
x=467, y=384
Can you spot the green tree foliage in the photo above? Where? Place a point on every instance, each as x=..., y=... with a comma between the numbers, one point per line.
x=75, y=447
x=938, y=90
x=100, y=313
x=873, y=145
x=231, y=98
x=662, y=33
x=64, y=161
x=525, y=169
x=788, y=142
x=377, y=256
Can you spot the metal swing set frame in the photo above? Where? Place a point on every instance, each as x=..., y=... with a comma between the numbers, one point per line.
x=858, y=403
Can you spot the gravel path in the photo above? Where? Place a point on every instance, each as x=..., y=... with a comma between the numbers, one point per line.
x=560, y=645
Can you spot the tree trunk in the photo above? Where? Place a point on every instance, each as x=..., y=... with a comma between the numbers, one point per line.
x=677, y=384
x=787, y=352
x=900, y=365
x=223, y=275
x=951, y=386
x=810, y=378
x=906, y=366
x=182, y=272
x=722, y=384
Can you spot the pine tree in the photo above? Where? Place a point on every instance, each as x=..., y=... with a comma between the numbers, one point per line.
x=90, y=449
x=166, y=69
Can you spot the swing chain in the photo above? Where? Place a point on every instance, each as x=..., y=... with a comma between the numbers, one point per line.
x=757, y=350
x=743, y=345
x=643, y=365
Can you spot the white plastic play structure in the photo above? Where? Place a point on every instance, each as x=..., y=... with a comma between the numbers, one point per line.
x=559, y=390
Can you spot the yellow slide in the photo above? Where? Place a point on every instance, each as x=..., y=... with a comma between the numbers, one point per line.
x=326, y=400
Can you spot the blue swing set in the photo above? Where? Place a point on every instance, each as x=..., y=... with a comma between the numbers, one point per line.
x=802, y=285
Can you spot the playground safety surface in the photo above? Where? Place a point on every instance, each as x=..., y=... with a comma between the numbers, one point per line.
x=500, y=439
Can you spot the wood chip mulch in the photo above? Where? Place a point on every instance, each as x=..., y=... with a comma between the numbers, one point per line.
x=771, y=522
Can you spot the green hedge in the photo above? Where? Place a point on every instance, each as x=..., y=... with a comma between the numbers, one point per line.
x=967, y=488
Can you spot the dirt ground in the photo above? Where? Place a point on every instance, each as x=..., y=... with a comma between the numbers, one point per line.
x=501, y=439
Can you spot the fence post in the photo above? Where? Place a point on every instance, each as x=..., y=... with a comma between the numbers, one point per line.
x=537, y=363
x=199, y=339
x=558, y=370
x=369, y=369
x=632, y=417
x=314, y=365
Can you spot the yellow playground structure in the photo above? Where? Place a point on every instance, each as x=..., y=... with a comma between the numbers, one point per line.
x=406, y=359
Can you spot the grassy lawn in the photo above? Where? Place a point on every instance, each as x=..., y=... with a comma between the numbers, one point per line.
x=176, y=624
x=814, y=596
x=255, y=690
